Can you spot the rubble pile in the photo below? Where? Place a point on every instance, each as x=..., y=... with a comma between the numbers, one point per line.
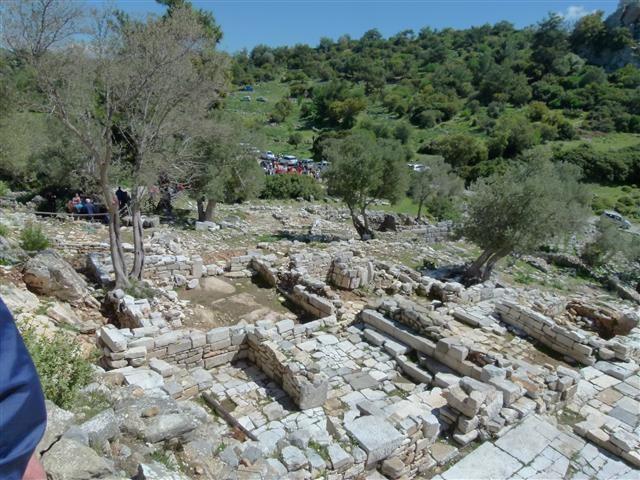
x=346, y=275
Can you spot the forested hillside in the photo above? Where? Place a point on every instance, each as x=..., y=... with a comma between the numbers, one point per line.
x=480, y=97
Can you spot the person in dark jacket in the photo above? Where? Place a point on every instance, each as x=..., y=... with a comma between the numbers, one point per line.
x=23, y=415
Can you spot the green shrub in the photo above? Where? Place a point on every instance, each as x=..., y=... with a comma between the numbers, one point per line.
x=291, y=186
x=62, y=369
x=33, y=239
x=138, y=289
x=4, y=230
x=295, y=138
x=4, y=188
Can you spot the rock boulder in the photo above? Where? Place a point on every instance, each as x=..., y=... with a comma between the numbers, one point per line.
x=71, y=460
x=49, y=274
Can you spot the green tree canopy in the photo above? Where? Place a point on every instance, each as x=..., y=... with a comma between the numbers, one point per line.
x=436, y=184
x=224, y=168
x=362, y=170
x=533, y=202
x=460, y=150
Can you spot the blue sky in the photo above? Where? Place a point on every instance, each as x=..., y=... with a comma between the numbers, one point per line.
x=247, y=23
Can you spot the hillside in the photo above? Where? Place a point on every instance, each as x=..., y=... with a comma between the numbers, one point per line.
x=480, y=97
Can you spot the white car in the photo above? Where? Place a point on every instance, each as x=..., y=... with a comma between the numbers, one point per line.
x=289, y=160
x=269, y=155
x=617, y=218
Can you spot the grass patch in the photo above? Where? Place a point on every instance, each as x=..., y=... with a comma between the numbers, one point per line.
x=605, y=143
x=399, y=393
x=89, y=405
x=320, y=450
x=567, y=417
x=405, y=205
x=163, y=458
x=623, y=199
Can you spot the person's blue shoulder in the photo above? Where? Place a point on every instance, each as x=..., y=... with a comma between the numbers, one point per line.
x=23, y=415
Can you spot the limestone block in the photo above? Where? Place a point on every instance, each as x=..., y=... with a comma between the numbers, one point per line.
x=376, y=436
x=218, y=335
x=115, y=340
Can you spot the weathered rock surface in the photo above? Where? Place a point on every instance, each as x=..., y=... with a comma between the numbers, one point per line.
x=49, y=274
x=71, y=460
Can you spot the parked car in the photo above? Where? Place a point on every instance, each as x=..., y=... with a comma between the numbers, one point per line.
x=268, y=155
x=290, y=160
x=617, y=219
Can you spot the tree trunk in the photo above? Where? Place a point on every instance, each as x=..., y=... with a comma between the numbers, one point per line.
x=473, y=274
x=208, y=213
x=205, y=213
x=164, y=206
x=481, y=268
x=115, y=242
x=419, y=210
x=364, y=232
x=486, y=274
x=117, y=252
x=200, y=205
x=138, y=237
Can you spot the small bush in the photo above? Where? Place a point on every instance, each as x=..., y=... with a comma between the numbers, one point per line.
x=4, y=188
x=291, y=186
x=295, y=138
x=59, y=362
x=139, y=289
x=4, y=230
x=33, y=239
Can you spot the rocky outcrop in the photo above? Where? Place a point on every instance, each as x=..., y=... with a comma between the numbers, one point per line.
x=71, y=460
x=49, y=274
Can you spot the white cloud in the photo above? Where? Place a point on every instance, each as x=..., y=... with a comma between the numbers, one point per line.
x=575, y=12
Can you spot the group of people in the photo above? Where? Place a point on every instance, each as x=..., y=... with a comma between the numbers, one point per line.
x=276, y=168
x=85, y=206
x=80, y=205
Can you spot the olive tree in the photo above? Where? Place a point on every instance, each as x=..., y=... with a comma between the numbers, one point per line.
x=435, y=182
x=364, y=169
x=132, y=93
x=515, y=212
x=78, y=86
x=172, y=76
x=224, y=167
x=609, y=242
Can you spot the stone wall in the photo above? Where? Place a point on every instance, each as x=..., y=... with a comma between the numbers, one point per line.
x=421, y=320
x=314, y=264
x=347, y=273
x=306, y=389
x=169, y=269
x=438, y=232
x=264, y=271
x=605, y=433
x=135, y=347
x=572, y=343
x=312, y=303
x=166, y=267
